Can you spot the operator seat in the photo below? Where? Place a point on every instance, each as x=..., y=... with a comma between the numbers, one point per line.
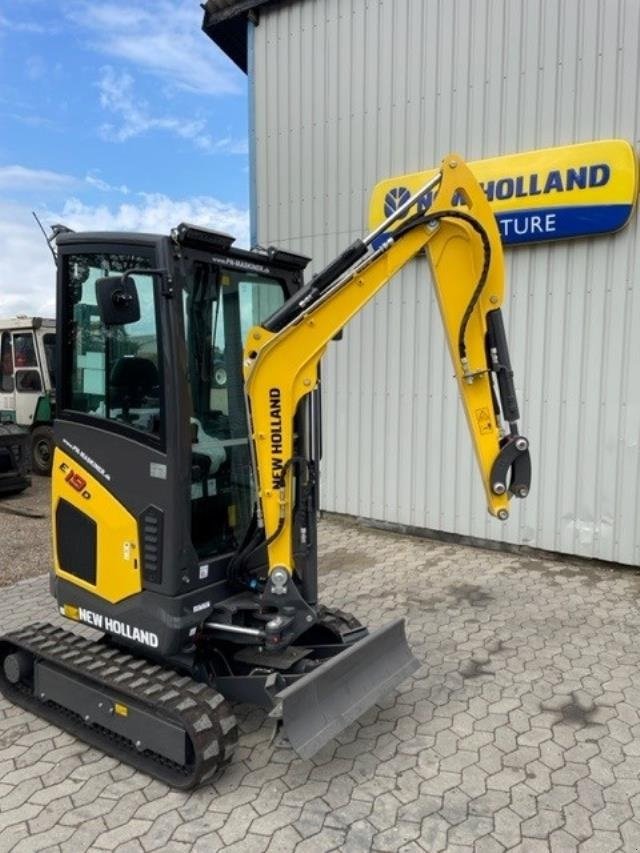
x=133, y=380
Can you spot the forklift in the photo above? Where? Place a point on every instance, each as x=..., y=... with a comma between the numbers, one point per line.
x=185, y=507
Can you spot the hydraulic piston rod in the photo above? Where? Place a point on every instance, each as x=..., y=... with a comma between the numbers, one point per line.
x=340, y=265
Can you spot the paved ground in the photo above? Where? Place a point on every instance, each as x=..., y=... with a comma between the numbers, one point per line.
x=520, y=732
x=25, y=537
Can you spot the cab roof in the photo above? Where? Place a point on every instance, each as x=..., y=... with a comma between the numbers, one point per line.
x=22, y=321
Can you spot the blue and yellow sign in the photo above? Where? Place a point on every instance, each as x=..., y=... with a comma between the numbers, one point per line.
x=551, y=194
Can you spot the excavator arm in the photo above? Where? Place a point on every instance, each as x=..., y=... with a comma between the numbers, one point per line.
x=281, y=358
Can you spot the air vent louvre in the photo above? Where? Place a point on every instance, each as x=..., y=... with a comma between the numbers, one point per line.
x=151, y=538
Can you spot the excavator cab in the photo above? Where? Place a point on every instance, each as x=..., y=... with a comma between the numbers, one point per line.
x=153, y=489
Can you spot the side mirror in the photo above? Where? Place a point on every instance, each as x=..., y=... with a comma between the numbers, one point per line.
x=117, y=299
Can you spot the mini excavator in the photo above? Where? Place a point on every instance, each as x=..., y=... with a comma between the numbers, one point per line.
x=185, y=480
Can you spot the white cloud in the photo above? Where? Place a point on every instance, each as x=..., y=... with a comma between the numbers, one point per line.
x=35, y=67
x=99, y=184
x=155, y=213
x=161, y=37
x=24, y=26
x=117, y=97
x=27, y=271
x=21, y=178
x=27, y=274
x=31, y=120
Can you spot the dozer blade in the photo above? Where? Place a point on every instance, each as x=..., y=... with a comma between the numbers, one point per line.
x=323, y=703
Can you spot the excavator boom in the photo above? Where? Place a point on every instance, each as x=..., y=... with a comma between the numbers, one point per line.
x=281, y=358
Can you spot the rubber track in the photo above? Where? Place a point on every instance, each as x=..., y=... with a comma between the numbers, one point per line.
x=202, y=712
x=341, y=622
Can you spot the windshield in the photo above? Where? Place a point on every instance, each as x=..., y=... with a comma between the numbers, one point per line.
x=220, y=307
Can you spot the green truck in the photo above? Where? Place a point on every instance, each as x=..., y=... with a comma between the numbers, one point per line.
x=27, y=383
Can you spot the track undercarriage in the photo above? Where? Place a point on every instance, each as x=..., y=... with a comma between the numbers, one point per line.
x=176, y=724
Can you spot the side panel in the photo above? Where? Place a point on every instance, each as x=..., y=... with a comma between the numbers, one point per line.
x=130, y=477
x=116, y=549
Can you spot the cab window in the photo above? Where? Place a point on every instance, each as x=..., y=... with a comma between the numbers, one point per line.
x=24, y=350
x=28, y=381
x=114, y=370
x=6, y=364
x=221, y=306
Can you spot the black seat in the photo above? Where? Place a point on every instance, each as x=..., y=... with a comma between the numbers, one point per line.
x=133, y=379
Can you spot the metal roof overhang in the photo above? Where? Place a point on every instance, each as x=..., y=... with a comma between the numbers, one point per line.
x=225, y=22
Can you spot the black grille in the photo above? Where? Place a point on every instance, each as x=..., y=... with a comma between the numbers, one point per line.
x=76, y=537
x=151, y=536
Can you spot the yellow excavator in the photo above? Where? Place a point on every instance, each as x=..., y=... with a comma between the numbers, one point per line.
x=185, y=479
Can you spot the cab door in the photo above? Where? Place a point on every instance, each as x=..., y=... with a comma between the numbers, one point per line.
x=113, y=482
x=7, y=382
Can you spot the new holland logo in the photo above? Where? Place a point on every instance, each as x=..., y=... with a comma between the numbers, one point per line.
x=395, y=198
x=110, y=626
x=551, y=194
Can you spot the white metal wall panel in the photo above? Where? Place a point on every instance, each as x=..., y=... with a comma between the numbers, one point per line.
x=351, y=91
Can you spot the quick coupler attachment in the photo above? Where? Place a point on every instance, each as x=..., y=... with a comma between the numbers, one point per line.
x=323, y=703
x=512, y=469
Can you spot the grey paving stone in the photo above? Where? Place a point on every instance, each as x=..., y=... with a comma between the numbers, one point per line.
x=542, y=824
x=340, y=791
x=158, y=835
x=395, y=837
x=433, y=833
x=113, y=838
x=560, y=841
x=312, y=818
x=84, y=835
x=354, y=811
x=470, y=831
x=127, y=806
x=507, y=825
x=278, y=819
x=601, y=842
x=304, y=793
x=193, y=830
x=236, y=826
x=327, y=839
x=208, y=843
x=43, y=840
x=359, y=837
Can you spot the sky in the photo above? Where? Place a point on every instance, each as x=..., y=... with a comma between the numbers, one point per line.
x=113, y=116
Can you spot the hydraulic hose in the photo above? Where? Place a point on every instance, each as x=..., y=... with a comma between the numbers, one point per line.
x=425, y=219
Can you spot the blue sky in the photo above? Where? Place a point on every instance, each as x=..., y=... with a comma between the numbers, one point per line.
x=113, y=115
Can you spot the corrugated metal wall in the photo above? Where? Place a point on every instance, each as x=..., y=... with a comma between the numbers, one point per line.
x=347, y=92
